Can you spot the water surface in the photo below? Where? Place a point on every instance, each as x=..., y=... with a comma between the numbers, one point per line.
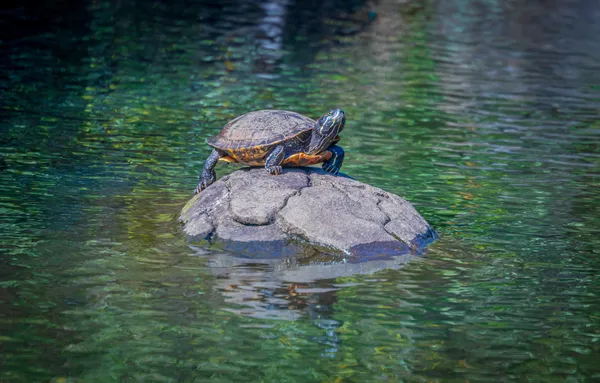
x=483, y=114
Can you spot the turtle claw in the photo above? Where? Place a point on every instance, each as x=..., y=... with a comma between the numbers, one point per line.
x=275, y=170
x=331, y=169
x=334, y=164
x=201, y=186
x=206, y=180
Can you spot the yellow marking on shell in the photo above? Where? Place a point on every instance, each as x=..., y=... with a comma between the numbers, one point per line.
x=251, y=156
x=298, y=159
x=303, y=159
x=229, y=159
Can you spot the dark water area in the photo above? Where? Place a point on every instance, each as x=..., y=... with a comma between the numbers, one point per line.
x=484, y=114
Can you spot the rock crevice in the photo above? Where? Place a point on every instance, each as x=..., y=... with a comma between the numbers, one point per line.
x=336, y=212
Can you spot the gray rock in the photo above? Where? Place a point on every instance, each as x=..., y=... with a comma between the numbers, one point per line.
x=230, y=230
x=308, y=204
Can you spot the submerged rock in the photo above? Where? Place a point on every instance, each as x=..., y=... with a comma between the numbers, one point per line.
x=309, y=205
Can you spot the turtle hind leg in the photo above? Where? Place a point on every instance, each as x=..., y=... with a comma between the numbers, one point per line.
x=208, y=175
x=334, y=164
x=274, y=160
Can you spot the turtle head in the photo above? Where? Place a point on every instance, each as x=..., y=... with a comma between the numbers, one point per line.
x=326, y=130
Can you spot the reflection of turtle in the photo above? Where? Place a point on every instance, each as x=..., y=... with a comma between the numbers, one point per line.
x=272, y=138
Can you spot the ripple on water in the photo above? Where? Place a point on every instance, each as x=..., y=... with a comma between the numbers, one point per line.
x=484, y=116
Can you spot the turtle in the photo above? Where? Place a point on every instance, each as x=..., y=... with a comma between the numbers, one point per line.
x=276, y=138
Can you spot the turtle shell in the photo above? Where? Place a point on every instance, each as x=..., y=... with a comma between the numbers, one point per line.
x=260, y=130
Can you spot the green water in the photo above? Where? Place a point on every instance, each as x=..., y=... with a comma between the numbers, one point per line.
x=485, y=115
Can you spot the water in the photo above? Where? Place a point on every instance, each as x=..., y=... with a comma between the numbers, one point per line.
x=483, y=114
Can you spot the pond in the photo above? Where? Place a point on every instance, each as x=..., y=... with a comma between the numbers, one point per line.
x=483, y=114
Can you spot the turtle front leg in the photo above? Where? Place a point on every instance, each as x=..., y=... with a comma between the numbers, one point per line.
x=334, y=164
x=208, y=175
x=274, y=160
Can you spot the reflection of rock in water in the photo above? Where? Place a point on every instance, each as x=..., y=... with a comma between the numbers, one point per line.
x=286, y=288
x=291, y=270
x=290, y=288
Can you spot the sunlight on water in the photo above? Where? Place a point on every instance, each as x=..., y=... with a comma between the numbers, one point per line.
x=483, y=114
